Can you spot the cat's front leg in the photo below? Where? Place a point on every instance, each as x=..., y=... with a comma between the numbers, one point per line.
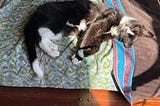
x=82, y=26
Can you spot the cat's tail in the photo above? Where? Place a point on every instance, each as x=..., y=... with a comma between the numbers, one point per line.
x=31, y=39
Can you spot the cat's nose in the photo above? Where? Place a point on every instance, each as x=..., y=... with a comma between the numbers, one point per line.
x=128, y=30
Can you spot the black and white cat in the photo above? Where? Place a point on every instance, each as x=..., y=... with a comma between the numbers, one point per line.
x=47, y=25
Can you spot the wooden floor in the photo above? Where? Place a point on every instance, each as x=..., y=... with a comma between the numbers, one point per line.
x=60, y=97
x=155, y=101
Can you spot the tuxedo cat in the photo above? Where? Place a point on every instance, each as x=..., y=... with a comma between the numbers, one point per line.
x=53, y=20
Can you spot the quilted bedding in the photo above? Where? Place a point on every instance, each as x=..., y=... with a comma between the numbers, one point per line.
x=94, y=72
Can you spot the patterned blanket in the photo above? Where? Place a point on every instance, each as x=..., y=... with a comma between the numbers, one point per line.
x=93, y=73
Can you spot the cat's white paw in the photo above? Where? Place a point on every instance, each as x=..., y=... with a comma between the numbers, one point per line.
x=37, y=69
x=75, y=60
x=54, y=54
x=52, y=45
x=81, y=53
x=82, y=26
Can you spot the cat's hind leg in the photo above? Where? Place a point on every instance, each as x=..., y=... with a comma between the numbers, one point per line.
x=48, y=41
x=48, y=45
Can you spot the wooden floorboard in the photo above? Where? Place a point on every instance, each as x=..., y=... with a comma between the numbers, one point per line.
x=14, y=96
x=11, y=96
x=155, y=101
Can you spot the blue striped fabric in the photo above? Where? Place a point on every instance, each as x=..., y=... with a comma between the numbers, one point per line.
x=132, y=72
x=124, y=68
x=120, y=6
x=121, y=62
x=110, y=4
